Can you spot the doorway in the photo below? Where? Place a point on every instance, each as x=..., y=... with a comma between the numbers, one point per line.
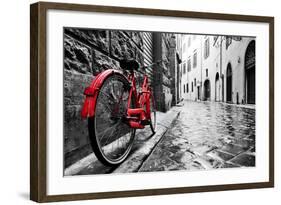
x=207, y=90
x=229, y=84
x=250, y=73
x=217, y=88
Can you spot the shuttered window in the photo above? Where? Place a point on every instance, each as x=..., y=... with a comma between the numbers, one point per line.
x=148, y=54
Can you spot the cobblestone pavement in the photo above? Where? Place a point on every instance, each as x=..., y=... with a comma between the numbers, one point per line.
x=205, y=136
x=142, y=147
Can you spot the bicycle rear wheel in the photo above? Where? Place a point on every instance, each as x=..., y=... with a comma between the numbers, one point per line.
x=111, y=137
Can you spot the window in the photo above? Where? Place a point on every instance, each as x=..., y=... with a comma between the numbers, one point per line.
x=183, y=88
x=189, y=41
x=184, y=68
x=228, y=41
x=195, y=59
x=206, y=72
x=187, y=89
x=206, y=48
x=181, y=71
x=195, y=82
x=237, y=38
x=189, y=65
x=215, y=39
x=192, y=87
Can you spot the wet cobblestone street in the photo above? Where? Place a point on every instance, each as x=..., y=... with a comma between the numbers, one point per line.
x=206, y=135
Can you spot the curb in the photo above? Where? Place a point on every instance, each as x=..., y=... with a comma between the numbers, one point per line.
x=136, y=159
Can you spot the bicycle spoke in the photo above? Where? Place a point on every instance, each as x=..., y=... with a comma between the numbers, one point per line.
x=112, y=90
x=105, y=103
x=114, y=142
x=107, y=95
x=103, y=132
x=109, y=136
x=112, y=129
x=112, y=98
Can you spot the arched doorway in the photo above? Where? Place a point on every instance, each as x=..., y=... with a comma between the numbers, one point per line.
x=207, y=90
x=229, y=83
x=250, y=73
x=217, y=88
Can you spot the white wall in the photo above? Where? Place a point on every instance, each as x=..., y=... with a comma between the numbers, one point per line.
x=14, y=85
x=235, y=50
x=212, y=63
x=195, y=72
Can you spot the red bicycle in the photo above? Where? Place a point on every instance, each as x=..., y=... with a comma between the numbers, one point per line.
x=115, y=109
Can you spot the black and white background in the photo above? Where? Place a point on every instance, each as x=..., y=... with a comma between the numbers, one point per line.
x=204, y=91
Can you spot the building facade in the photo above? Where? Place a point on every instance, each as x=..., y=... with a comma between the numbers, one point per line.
x=178, y=68
x=218, y=68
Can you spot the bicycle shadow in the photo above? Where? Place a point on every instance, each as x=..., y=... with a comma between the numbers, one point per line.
x=142, y=136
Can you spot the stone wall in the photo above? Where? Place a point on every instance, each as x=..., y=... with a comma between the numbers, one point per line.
x=88, y=52
x=164, y=50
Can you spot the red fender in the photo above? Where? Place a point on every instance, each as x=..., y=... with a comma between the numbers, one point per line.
x=91, y=92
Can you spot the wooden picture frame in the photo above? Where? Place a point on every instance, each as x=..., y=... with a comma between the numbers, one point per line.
x=38, y=100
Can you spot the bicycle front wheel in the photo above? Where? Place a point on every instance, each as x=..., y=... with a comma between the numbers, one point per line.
x=111, y=137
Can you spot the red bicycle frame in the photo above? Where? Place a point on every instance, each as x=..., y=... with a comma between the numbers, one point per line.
x=136, y=117
x=141, y=114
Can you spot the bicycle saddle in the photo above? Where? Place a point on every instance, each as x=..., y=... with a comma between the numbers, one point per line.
x=129, y=64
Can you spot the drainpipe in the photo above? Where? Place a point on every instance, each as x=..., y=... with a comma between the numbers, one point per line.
x=201, y=84
x=222, y=83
